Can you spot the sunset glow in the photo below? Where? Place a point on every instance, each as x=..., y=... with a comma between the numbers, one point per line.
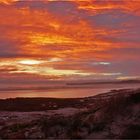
x=29, y=62
x=69, y=40
x=69, y=69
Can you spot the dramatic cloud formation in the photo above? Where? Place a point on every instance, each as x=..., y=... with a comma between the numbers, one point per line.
x=68, y=40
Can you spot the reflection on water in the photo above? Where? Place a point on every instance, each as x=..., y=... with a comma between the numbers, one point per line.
x=67, y=92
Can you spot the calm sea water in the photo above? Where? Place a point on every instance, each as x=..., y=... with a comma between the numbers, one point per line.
x=72, y=92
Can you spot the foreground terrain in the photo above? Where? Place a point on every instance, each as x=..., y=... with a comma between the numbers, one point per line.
x=111, y=115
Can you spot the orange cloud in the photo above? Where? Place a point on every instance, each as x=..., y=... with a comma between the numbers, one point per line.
x=7, y=1
x=96, y=7
x=38, y=35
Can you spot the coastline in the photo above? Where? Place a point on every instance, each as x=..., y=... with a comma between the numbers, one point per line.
x=102, y=111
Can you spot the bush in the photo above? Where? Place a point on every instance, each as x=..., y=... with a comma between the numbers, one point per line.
x=17, y=127
x=55, y=126
x=135, y=98
x=132, y=132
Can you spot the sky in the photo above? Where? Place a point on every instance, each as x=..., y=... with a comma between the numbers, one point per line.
x=47, y=41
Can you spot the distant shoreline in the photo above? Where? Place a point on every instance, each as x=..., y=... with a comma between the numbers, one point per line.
x=70, y=85
x=105, y=93
x=65, y=91
x=43, y=103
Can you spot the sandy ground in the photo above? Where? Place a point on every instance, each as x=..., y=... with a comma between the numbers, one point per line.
x=8, y=117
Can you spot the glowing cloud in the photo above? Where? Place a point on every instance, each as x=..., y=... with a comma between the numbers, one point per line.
x=30, y=62
x=89, y=39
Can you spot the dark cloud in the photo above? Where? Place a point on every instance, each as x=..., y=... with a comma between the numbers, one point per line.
x=8, y=48
x=39, y=5
x=113, y=19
